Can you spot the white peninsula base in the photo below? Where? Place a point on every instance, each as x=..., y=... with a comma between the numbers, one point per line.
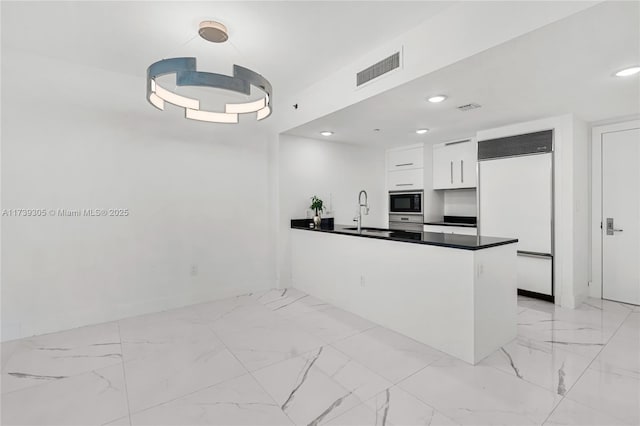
x=462, y=302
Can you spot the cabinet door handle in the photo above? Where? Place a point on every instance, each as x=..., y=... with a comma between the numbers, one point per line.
x=451, y=164
x=404, y=184
x=404, y=164
x=456, y=142
x=462, y=170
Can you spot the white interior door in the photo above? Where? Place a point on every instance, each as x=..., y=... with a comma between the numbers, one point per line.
x=621, y=216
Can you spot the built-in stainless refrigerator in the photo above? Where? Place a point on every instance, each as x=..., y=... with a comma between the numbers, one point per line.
x=515, y=199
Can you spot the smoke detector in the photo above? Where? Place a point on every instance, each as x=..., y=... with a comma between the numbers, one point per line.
x=213, y=31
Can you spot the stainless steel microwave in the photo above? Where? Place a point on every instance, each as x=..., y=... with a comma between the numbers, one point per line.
x=405, y=202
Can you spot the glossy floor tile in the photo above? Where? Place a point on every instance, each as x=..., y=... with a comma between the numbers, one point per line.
x=266, y=340
x=319, y=385
x=543, y=364
x=388, y=353
x=394, y=406
x=609, y=390
x=239, y=401
x=332, y=324
x=611, y=384
x=480, y=395
x=289, y=302
x=170, y=354
x=91, y=398
x=572, y=413
x=580, y=334
x=282, y=357
x=51, y=357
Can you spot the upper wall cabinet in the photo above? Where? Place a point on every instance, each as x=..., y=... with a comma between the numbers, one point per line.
x=404, y=180
x=454, y=164
x=405, y=158
x=405, y=168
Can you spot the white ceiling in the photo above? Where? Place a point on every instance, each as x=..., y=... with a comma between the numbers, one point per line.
x=565, y=67
x=292, y=43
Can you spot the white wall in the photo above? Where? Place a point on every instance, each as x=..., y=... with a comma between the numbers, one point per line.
x=570, y=201
x=581, y=211
x=197, y=196
x=460, y=202
x=335, y=172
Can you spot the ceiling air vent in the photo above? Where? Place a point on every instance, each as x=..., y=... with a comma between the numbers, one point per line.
x=377, y=69
x=469, y=107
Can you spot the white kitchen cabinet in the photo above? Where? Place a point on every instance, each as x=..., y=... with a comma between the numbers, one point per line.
x=401, y=180
x=405, y=158
x=463, y=230
x=468, y=159
x=454, y=164
x=469, y=296
x=442, y=174
x=535, y=273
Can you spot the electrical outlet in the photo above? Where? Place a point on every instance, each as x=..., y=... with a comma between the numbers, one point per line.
x=194, y=270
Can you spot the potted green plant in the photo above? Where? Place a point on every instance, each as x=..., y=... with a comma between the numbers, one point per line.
x=318, y=206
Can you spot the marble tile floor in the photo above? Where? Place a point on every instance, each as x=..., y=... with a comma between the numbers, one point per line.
x=282, y=357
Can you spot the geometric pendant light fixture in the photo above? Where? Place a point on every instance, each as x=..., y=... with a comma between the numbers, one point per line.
x=186, y=74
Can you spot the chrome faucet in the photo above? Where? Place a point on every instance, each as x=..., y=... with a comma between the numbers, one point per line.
x=358, y=218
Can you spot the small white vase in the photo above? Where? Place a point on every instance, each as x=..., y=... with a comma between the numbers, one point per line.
x=317, y=221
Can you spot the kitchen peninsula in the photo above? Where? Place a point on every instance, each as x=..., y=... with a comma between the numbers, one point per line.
x=456, y=293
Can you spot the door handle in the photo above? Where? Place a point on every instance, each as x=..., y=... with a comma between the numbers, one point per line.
x=610, y=228
x=535, y=254
x=451, y=164
x=462, y=170
x=404, y=164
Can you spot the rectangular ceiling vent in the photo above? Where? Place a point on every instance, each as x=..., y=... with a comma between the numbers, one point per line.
x=378, y=69
x=469, y=107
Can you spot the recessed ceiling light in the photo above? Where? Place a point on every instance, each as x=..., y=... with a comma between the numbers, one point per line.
x=422, y=131
x=437, y=98
x=628, y=71
x=326, y=133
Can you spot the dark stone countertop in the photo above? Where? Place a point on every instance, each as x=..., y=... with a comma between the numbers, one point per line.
x=456, y=241
x=464, y=221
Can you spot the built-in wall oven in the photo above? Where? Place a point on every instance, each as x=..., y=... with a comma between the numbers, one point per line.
x=405, y=211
